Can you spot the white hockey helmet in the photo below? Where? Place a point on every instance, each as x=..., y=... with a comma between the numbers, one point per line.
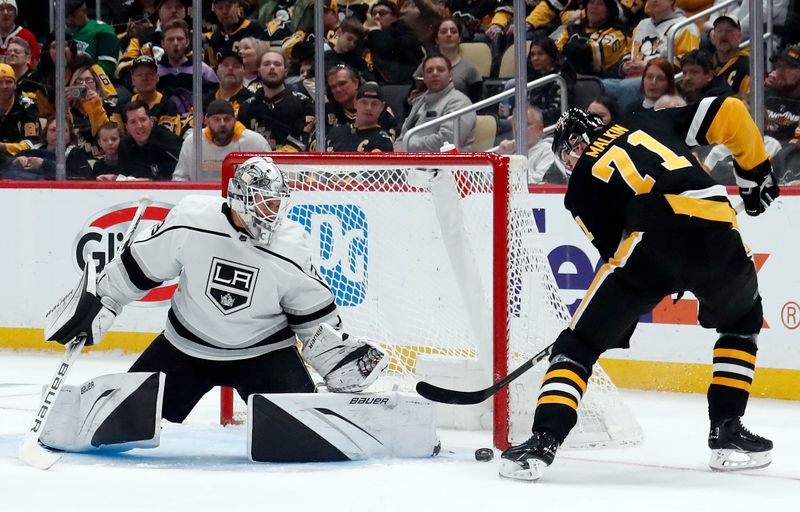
x=257, y=192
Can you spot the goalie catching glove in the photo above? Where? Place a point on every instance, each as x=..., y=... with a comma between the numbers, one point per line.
x=81, y=312
x=347, y=364
x=758, y=187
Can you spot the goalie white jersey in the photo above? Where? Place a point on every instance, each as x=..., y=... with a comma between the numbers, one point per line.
x=235, y=299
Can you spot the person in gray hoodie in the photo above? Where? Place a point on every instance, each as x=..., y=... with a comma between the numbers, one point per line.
x=440, y=98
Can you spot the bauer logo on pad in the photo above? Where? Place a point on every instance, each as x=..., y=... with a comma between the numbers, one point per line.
x=339, y=247
x=230, y=285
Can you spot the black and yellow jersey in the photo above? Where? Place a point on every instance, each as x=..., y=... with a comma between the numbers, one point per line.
x=19, y=125
x=640, y=174
x=339, y=116
x=359, y=140
x=286, y=119
x=220, y=43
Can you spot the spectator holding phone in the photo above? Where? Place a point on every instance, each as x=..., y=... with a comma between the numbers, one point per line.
x=87, y=109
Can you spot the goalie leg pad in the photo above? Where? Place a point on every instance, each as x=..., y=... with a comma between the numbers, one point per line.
x=329, y=427
x=118, y=412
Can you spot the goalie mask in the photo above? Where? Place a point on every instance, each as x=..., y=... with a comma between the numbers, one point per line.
x=574, y=131
x=258, y=193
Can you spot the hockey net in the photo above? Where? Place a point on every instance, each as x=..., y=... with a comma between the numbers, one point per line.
x=437, y=256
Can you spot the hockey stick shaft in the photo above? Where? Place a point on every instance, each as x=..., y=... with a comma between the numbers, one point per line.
x=452, y=396
x=31, y=451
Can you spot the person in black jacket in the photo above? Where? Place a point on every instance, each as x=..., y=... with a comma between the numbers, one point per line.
x=700, y=78
x=396, y=51
x=148, y=152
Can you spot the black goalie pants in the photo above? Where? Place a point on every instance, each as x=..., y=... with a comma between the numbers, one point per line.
x=189, y=378
x=713, y=264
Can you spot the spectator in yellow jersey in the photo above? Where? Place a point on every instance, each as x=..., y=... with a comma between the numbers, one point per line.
x=19, y=118
x=144, y=75
x=597, y=44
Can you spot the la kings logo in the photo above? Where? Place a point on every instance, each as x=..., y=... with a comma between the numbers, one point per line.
x=230, y=285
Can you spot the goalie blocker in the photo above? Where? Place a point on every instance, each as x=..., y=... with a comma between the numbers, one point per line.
x=331, y=427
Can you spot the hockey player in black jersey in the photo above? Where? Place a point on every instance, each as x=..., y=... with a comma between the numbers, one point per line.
x=663, y=226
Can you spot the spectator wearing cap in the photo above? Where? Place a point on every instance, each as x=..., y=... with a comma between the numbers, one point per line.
x=9, y=30
x=396, y=50
x=231, y=29
x=223, y=134
x=440, y=98
x=782, y=96
x=365, y=135
x=699, y=77
x=19, y=127
x=283, y=116
x=148, y=151
x=731, y=63
x=230, y=73
x=343, y=84
x=93, y=37
x=175, y=69
x=144, y=76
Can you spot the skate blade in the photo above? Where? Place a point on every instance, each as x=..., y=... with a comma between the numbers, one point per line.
x=514, y=471
x=736, y=460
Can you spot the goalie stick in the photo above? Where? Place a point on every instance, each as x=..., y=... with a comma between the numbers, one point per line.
x=31, y=451
x=452, y=396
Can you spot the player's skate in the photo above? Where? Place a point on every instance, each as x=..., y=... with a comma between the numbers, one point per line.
x=734, y=447
x=528, y=460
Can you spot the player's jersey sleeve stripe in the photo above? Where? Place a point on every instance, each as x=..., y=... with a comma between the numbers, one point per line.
x=135, y=272
x=301, y=319
x=700, y=122
x=727, y=121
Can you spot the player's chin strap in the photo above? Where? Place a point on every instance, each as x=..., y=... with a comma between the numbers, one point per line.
x=346, y=363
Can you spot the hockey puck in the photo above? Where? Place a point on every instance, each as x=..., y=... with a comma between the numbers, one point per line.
x=484, y=454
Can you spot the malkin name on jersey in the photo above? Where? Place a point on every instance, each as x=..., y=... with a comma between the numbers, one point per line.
x=230, y=285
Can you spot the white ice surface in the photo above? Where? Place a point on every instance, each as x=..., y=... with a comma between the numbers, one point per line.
x=201, y=466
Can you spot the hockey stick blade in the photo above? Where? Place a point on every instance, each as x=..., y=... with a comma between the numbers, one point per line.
x=452, y=396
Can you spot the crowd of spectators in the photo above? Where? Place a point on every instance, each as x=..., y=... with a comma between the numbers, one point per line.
x=390, y=66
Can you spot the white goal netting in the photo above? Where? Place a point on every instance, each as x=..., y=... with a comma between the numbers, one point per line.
x=437, y=256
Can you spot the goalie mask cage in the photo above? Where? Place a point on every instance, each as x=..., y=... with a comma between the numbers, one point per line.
x=437, y=257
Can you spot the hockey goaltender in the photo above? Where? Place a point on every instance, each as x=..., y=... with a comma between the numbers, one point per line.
x=247, y=291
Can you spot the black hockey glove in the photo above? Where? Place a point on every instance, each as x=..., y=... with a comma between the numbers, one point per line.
x=758, y=187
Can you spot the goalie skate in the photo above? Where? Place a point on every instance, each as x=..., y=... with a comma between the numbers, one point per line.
x=733, y=447
x=528, y=460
